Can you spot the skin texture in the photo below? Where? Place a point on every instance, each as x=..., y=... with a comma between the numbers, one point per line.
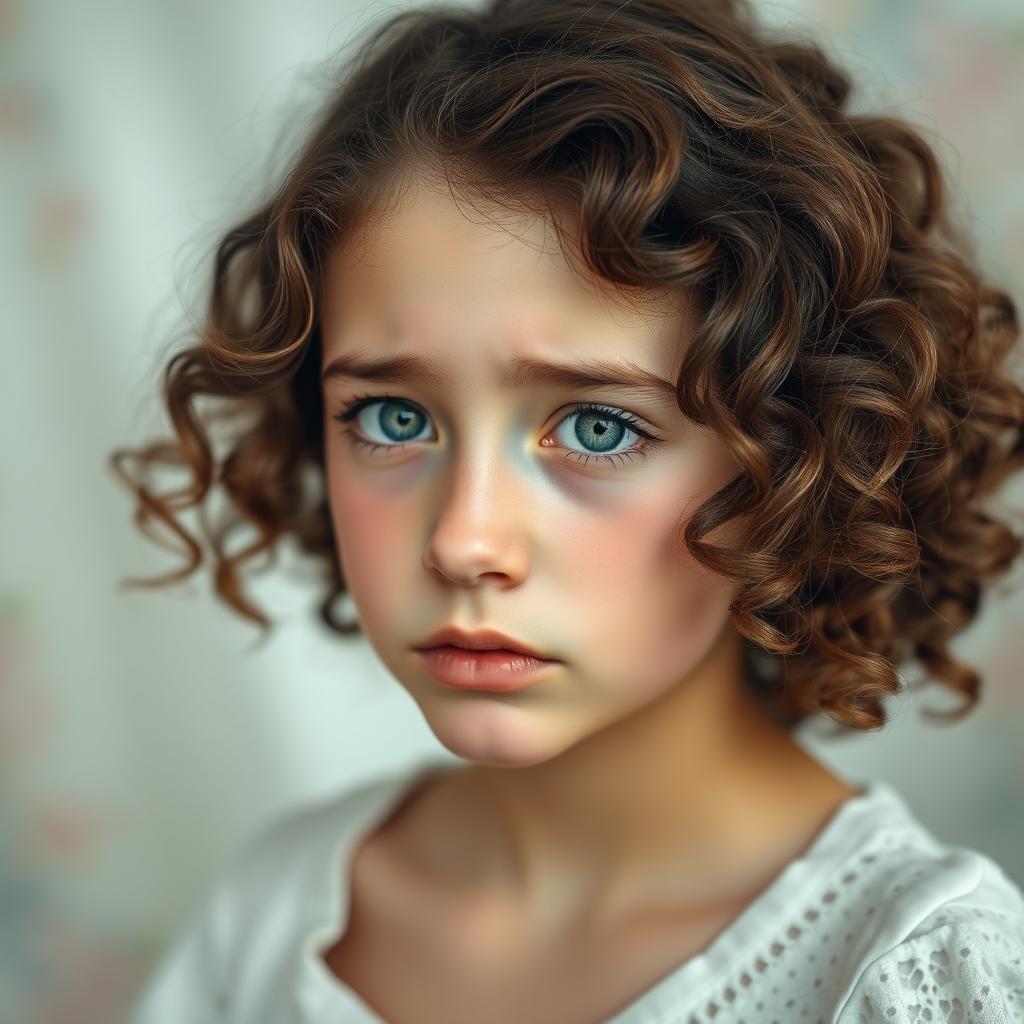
x=638, y=774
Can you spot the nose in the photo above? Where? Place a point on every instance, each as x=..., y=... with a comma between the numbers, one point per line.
x=480, y=526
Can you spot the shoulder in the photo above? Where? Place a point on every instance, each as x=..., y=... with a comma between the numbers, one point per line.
x=258, y=900
x=290, y=859
x=920, y=929
x=965, y=961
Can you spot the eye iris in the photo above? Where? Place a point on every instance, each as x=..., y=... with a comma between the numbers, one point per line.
x=402, y=417
x=608, y=430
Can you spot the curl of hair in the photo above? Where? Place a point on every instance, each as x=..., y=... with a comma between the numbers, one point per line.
x=849, y=354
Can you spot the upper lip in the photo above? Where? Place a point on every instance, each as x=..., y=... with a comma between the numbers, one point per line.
x=482, y=640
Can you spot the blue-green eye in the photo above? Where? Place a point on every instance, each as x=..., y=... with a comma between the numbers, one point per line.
x=599, y=429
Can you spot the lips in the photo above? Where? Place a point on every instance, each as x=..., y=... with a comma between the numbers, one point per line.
x=480, y=640
x=494, y=671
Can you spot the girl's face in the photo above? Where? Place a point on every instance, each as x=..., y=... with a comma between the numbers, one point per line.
x=488, y=504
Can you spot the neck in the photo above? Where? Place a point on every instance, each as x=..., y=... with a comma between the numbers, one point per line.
x=691, y=799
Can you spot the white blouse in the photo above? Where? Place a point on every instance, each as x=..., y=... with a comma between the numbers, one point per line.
x=877, y=921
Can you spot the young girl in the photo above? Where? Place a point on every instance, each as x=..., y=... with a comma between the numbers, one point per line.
x=653, y=400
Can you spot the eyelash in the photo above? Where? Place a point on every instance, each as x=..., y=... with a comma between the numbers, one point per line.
x=639, y=448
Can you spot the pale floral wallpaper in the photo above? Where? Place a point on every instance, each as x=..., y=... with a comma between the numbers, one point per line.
x=144, y=734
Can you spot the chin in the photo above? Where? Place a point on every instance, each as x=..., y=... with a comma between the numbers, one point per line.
x=498, y=736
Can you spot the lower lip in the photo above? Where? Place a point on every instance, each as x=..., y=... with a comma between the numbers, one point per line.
x=496, y=671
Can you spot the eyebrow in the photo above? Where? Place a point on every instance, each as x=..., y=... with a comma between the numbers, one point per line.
x=521, y=371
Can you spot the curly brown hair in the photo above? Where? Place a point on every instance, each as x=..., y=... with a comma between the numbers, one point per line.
x=849, y=353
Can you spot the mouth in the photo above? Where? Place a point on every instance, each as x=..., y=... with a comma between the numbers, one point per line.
x=497, y=670
x=481, y=642
x=506, y=652
x=486, y=653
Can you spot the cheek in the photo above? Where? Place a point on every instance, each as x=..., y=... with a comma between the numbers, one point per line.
x=367, y=531
x=653, y=609
x=633, y=574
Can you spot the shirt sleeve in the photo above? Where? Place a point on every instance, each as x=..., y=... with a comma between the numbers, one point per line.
x=190, y=982
x=200, y=975
x=185, y=985
x=968, y=970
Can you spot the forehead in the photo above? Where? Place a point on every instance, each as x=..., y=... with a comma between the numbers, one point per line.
x=480, y=284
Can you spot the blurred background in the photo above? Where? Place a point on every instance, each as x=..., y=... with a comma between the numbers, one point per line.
x=144, y=734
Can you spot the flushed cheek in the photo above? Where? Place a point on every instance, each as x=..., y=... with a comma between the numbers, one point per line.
x=369, y=533
x=631, y=586
x=694, y=603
